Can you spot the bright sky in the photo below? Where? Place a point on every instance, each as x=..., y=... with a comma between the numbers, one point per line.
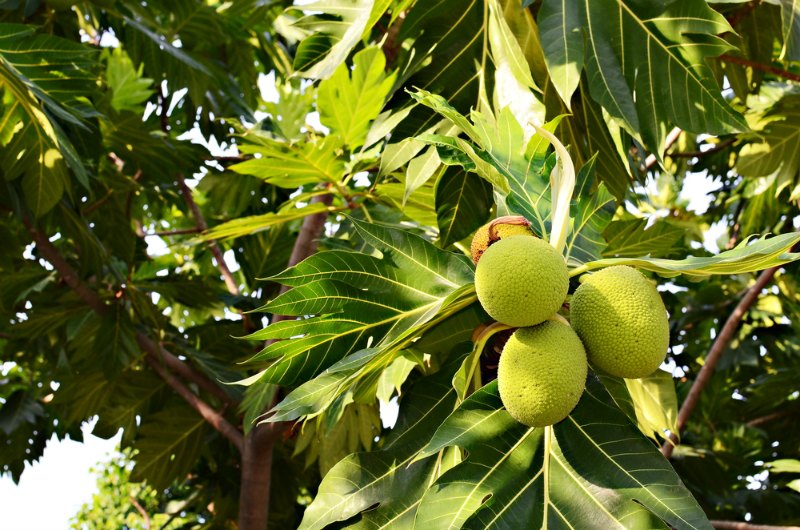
x=52, y=490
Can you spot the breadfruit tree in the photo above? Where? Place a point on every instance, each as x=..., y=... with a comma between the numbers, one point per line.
x=556, y=238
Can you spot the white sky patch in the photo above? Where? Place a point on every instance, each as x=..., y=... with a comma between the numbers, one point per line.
x=62, y=477
x=698, y=189
x=389, y=412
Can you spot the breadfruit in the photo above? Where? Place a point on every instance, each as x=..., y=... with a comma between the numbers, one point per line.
x=542, y=373
x=622, y=321
x=502, y=227
x=521, y=281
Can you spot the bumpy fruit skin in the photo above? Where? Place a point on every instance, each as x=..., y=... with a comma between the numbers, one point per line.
x=480, y=242
x=521, y=281
x=622, y=321
x=542, y=373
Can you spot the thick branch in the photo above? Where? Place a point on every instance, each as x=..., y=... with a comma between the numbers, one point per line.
x=156, y=355
x=214, y=418
x=736, y=525
x=671, y=138
x=259, y=442
x=717, y=349
x=65, y=270
x=780, y=72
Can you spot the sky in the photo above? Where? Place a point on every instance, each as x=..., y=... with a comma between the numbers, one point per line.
x=62, y=478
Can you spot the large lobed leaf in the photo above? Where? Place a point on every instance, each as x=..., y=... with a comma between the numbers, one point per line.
x=592, y=470
x=358, y=299
x=645, y=63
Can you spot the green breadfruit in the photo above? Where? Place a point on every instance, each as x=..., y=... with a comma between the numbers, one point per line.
x=622, y=321
x=521, y=281
x=542, y=373
x=502, y=227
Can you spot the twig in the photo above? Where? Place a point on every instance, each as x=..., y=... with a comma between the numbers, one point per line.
x=738, y=15
x=736, y=525
x=780, y=72
x=714, y=354
x=202, y=226
x=671, y=138
x=214, y=418
x=142, y=512
x=761, y=420
x=691, y=154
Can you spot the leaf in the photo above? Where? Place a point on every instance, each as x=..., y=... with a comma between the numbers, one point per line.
x=362, y=480
x=632, y=238
x=20, y=407
x=128, y=88
x=462, y=202
x=775, y=148
x=349, y=105
x=762, y=254
x=254, y=224
x=646, y=54
x=650, y=402
x=41, y=74
x=591, y=211
x=358, y=299
x=168, y=445
x=592, y=470
x=289, y=165
x=334, y=28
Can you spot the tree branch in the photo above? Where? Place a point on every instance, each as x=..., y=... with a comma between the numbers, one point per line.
x=780, y=72
x=169, y=233
x=157, y=356
x=142, y=512
x=691, y=154
x=717, y=349
x=68, y=274
x=214, y=418
x=671, y=138
x=259, y=442
x=202, y=226
x=736, y=525
x=761, y=420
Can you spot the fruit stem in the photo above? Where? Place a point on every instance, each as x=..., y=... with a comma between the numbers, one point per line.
x=562, y=185
x=505, y=220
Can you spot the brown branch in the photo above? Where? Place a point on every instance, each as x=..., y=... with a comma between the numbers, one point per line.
x=154, y=358
x=691, y=154
x=142, y=512
x=68, y=274
x=761, y=420
x=739, y=15
x=780, y=72
x=202, y=226
x=186, y=371
x=736, y=525
x=259, y=442
x=671, y=138
x=157, y=356
x=717, y=349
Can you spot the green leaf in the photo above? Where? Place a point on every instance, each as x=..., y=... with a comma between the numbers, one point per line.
x=592, y=470
x=358, y=299
x=169, y=443
x=591, y=211
x=650, y=402
x=463, y=200
x=20, y=407
x=289, y=165
x=632, y=238
x=128, y=88
x=348, y=105
x=253, y=224
x=761, y=254
x=646, y=65
x=334, y=28
x=775, y=147
x=388, y=477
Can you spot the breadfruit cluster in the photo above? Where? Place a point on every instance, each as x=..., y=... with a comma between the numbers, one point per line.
x=617, y=322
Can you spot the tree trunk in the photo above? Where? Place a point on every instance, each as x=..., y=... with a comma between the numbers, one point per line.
x=259, y=443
